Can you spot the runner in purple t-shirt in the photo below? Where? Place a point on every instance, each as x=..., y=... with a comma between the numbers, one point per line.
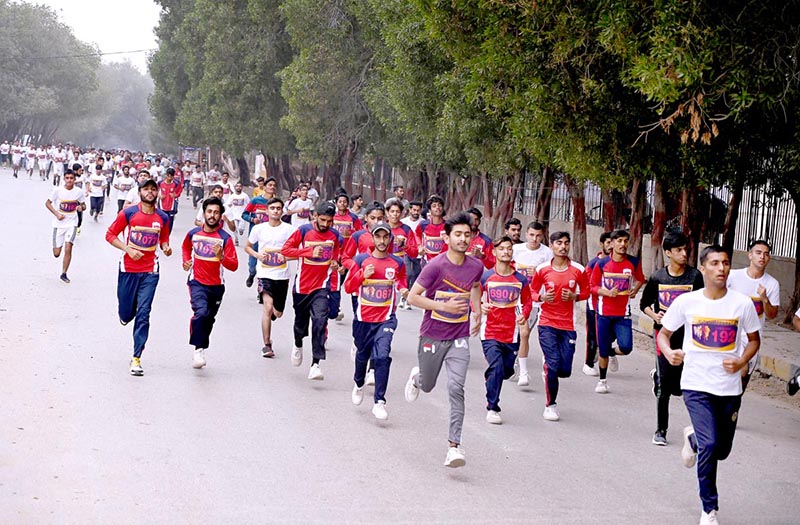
x=445, y=288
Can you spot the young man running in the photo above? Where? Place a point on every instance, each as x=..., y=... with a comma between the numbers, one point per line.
x=513, y=230
x=377, y=279
x=197, y=181
x=17, y=153
x=207, y=249
x=506, y=305
x=616, y=280
x=64, y=203
x=481, y=245
x=558, y=284
x=300, y=208
x=169, y=191
x=714, y=351
x=589, y=366
x=236, y=203
x=346, y=223
x=761, y=287
x=123, y=183
x=272, y=272
x=526, y=258
x=146, y=229
x=430, y=230
x=662, y=288
x=413, y=265
x=445, y=289
x=255, y=213
x=317, y=247
x=404, y=240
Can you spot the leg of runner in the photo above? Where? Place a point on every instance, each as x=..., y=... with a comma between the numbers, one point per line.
x=319, y=321
x=302, y=316
x=381, y=350
x=456, y=362
x=589, y=365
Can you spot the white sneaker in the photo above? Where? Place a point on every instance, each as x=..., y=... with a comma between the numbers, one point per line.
x=340, y=316
x=709, y=518
x=590, y=370
x=688, y=455
x=315, y=373
x=412, y=390
x=379, y=411
x=370, y=380
x=199, y=359
x=494, y=418
x=613, y=364
x=402, y=304
x=524, y=379
x=456, y=457
x=550, y=413
x=357, y=396
x=515, y=377
x=602, y=387
x=353, y=351
x=297, y=356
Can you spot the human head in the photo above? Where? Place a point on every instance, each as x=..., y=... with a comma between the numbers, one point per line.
x=759, y=252
x=513, y=229
x=271, y=186
x=303, y=192
x=458, y=232
x=358, y=200
x=342, y=201
x=503, y=248
x=237, y=187
x=274, y=206
x=69, y=179
x=534, y=235
x=399, y=192
x=394, y=211
x=381, y=236
x=605, y=242
x=217, y=191
x=212, y=211
x=374, y=213
x=324, y=215
x=148, y=191
x=477, y=216
x=715, y=265
x=414, y=209
x=559, y=243
x=225, y=176
x=674, y=245
x=170, y=173
x=619, y=241
x=436, y=206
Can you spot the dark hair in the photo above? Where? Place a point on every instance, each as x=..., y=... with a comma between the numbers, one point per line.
x=708, y=250
x=69, y=172
x=619, y=234
x=394, y=202
x=605, y=236
x=461, y=218
x=269, y=179
x=77, y=166
x=170, y=171
x=674, y=240
x=476, y=212
x=217, y=186
x=755, y=243
x=513, y=221
x=340, y=195
x=415, y=203
x=357, y=196
x=372, y=206
x=500, y=240
x=274, y=200
x=212, y=201
x=397, y=187
x=555, y=236
x=434, y=198
x=303, y=185
x=535, y=226
x=326, y=208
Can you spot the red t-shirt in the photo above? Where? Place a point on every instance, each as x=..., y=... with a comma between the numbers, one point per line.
x=559, y=314
x=486, y=246
x=360, y=242
x=377, y=296
x=404, y=242
x=346, y=224
x=168, y=194
x=144, y=232
x=207, y=268
x=507, y=296
x=431, y=235
x=313, y=273
x=609, y=273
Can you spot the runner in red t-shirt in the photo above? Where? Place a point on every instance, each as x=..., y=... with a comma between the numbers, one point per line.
x=430, y=230
x=481, y=246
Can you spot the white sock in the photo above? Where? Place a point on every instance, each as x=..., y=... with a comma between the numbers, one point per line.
x=523, y=365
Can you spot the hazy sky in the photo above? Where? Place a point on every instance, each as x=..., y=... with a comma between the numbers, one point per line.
x=114, y=25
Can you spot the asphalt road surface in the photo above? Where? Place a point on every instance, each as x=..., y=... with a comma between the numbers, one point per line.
x=249, y=439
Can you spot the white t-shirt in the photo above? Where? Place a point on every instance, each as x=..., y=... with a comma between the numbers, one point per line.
x=124, y=185
x=66, y=202
x=714, y=330
x=235, y=205
x=132, y=196
x=270, y=240
x=197, y=179
x=213, y=177
x=97, y=185
x=526, y=260
x=741, y=282
x=5, y=148
x=303, y=217
x=313, y=195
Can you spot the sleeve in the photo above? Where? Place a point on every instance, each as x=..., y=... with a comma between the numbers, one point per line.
x=698, y=281
x=54, y=195
x=291, y=248
x=583, y=284
x=402, y=276
x=82, y=200
x=596, y=279
x=527, y=299
x=649, y=295
x=427, y=276
x=349, y=252
x=774, y=293
x=354, y=278
x=750, y=321
x=230, y=260
x=489, y=259
x=674, y=317
x=253, y=237
x=186, y=247
x=536, y=286
x=117, y=227
x=163, y=234
x=248, y=210
x=412, y=247
x=638, y=274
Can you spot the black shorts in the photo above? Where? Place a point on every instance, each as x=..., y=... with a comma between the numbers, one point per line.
x=277, y=289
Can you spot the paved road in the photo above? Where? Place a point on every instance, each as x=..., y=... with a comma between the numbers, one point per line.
x=252, y=440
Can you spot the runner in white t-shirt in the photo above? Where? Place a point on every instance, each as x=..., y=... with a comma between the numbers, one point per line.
x=272, y=269
x=30, y=159
x=300, y=208
x=59, y=158
x=96, y=190
x=43, y=162
x=123, y=183
x=526, y=258
x=64, y=203
x=5, y=150
x=713, y=354
x=17, y=152
x=235, y=204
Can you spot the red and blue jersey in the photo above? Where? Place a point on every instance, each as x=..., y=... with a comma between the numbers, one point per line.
x=144, y=232
x=256, y=209
x=486, y=247
x=592, y=302
x=168, y=195
x=360, y=242
x=559, y=314
x=404, y=242
x=377, y=295
x=346, y=224
x=207, y=268
x=609, y=274
x=432, y=238
x=507, y=296
x=313, y=273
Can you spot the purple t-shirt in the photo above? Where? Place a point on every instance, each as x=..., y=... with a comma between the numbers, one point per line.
x=442, y=280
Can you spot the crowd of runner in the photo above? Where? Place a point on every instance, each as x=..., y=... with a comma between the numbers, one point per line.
x=404, y=255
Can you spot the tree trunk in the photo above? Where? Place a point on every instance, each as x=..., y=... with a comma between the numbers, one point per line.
x=331, y=179
x=638, y=212
x=794, y=300
x=544, y=199
x=732, y=215
x=349, y=165
x=659, y=225
x=387, y=179
x=244, y=171
x=688, y=221
x=580, y=247
x=286, y=178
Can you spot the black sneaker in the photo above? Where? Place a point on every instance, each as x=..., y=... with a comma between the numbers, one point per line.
x=250, y=279
x=64, y=278
x=267, y=351
x=792, y=387
x=660, y=438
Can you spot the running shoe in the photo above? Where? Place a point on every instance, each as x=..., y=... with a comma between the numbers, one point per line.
x=78, y=230
x=370, y=380
x=199, y=358
x=315, y=373
x=297, y=356
x=602, y=387
x=590, y=370
x=267, y=351
x=249, y=281
x=660, y=438
x=550, y=413
x=64, y=278
x=792, y=387
x=357, y=396
x=412, y=390
x=379, y=411
x=524, y=379
x=493, y=417
x=136, y=367
x=709, y=518
x=456, y=457
x=688, y=453
x=655, y=382
x=613, y=364
x=515, y=376
x=340, y=316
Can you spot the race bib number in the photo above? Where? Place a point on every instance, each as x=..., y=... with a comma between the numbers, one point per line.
x=304, y=214
x=433, y=245
x=622, y=281
x=376, y=292
x=667, y=293
x=125, y=187
x=758, y=302
x=98, y=182
x=259, y=215
x=345, y=228
x=504, y=295
x=203, y=247
x=527, y=271
x=144, y=239
x=273, y=259
x=327, y=253
x=447, y=317
x=399, y=246
x=237, y=202
x=68, y=206
x=715, y=334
